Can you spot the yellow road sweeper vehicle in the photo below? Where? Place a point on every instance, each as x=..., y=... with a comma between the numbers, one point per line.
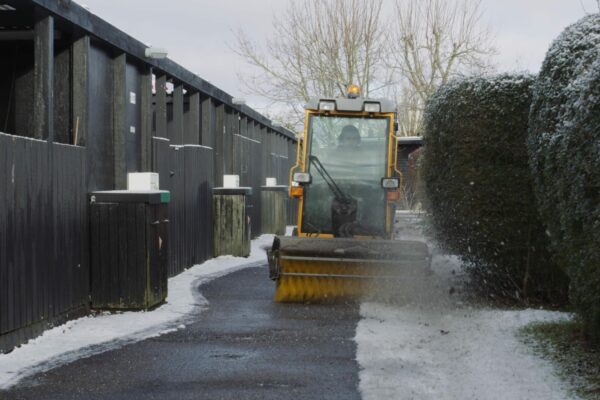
x=348, y=186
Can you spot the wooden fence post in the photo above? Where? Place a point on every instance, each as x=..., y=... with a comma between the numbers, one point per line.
x=43, y=85
x=231, y=222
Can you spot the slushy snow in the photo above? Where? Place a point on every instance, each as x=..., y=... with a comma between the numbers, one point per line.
x=434, y=346
x=415, y=353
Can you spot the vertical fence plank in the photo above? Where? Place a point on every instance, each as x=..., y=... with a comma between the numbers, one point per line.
x=20, y=233
x=96, y=259
x=192, y=133
x=10, y=237
x=207, y=216
x=178, y=125
x=208, y=123
x=192, y=202
x=84, y=252
x=113, y=281
x=55, y=250
x=177, y=210
x=56, y=272
x=160, y=161
x=219, y=144
x=143, y=259
x=5, y=183
x=119, y=121
x=43, y=84
x=146, y=123
x=80, y=68
x=103, y=256
x=122, y=253
x=231, y=128
x=161, y=106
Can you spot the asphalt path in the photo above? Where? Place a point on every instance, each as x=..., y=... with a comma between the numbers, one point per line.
x=244, y=346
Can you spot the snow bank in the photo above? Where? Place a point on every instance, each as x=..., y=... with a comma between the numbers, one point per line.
x=436, y=346
x=412, y=353
x=95, y=334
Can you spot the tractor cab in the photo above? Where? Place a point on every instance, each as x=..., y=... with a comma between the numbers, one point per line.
x=346, y=155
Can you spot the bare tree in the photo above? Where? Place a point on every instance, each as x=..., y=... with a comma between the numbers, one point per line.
x=584, y=8
x=319, y=48
x=431, y=41
x=409, y=108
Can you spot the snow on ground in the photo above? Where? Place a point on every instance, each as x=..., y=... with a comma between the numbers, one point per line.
x=95, y=334
x=435, y=346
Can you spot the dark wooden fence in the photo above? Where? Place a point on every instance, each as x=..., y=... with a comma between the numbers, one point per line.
x=125, y=112
x=187, y=172
x=44, y=272
x=247, y=163
x=259, y=154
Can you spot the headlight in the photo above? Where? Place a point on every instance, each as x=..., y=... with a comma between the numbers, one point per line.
x=302, y=177
x=372, y=107
x=327, y=106
x=390, y=183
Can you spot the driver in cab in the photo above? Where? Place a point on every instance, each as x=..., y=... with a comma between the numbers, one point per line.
x=349, y=138
x=340, y=159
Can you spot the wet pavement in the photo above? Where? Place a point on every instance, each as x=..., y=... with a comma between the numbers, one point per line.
x=244, y=346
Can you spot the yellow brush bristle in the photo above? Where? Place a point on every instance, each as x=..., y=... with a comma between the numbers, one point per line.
x=318, y=289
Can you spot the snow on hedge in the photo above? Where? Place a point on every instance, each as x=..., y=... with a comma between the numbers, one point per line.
x=564, y=146
x=479, y=186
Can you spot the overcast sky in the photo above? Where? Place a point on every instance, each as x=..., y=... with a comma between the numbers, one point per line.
x=198, y=33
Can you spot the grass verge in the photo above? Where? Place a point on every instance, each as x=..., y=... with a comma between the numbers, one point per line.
x=577, y=362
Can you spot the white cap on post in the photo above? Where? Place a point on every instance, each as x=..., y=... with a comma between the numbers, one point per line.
x=231, y=181
x=271, y=182
x=142, y=181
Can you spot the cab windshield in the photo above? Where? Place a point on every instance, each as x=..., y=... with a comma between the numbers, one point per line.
x=352, y=150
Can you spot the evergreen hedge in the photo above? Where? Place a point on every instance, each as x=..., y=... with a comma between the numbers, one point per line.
x=564, y=148
x=479, y=187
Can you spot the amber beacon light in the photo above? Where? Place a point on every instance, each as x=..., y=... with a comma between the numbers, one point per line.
x=353, y=91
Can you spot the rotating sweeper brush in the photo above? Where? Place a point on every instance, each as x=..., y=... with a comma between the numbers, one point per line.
x=316, y=269
x=348, y=185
